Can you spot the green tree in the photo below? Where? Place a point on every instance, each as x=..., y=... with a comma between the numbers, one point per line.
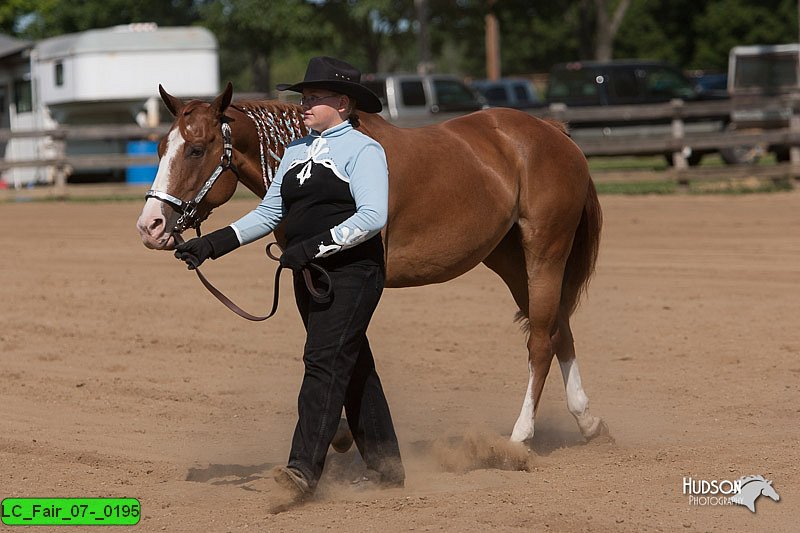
x=11, y=12
x=729, y=23
x=264, y=39
x=252, y=33
x=660, y=30
x=377, y=35
x=698, y=34
x=535, y=35
x=47, y=18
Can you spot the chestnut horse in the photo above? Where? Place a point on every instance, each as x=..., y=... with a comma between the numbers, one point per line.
x=497, y=186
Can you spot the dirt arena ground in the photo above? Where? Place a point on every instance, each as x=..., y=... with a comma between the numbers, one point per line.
x=121, y=376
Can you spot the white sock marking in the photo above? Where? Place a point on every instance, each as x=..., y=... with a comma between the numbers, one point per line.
x=523, y=429
x=577, y=401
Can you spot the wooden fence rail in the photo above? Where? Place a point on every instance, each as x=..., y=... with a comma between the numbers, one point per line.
x=676, y=141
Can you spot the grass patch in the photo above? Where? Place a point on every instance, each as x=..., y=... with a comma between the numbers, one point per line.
x=637, y=187
x=659, y=162
x=741, y=186
x=601, y=163
x=723, y=186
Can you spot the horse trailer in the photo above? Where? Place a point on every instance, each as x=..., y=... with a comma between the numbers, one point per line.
x=104, y=76
x=762, y=71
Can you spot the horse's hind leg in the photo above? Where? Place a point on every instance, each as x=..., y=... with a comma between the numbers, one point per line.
x=577, y=401
x=508, y=261
x=551, y=335
x=545, y=256
x=535, y=284
x=544, y=291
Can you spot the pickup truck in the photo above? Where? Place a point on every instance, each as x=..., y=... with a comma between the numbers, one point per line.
x=415, y=100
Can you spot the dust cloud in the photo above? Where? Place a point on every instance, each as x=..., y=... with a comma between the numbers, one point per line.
x=479, y=450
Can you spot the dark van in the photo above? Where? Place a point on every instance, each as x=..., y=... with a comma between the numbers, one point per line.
x=622, y=83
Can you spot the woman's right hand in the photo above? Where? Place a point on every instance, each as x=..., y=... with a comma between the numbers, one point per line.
x=194, y=251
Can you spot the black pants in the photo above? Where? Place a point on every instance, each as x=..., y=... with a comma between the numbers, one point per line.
x=340, y=372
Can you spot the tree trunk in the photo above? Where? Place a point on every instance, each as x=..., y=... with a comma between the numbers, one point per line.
x=424, y=41
x=606, y=27
x=261, y=73
x=492, y=47
x=371, y=44
x=586, y=28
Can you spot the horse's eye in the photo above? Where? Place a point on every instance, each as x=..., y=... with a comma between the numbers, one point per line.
x=196, y=151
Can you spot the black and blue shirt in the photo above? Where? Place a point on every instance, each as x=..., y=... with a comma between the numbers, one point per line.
x=332, y=186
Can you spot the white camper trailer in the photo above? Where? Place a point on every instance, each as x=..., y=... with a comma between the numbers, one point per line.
x=16, y=105
x=111, y=76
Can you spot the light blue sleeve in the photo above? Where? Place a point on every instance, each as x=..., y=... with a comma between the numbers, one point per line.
x=267, y=215
x=369, y=185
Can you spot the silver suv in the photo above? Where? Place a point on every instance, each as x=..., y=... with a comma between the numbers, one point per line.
x=422, y=97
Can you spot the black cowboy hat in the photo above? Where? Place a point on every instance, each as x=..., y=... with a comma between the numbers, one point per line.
x=337, y=76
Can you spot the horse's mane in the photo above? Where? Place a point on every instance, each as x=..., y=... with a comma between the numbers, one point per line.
x=267, y=104
x=748, y=479
x=277, y=124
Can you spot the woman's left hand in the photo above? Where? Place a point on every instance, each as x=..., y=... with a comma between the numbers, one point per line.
x=296, y=257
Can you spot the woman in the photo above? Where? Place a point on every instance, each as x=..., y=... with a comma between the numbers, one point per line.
x=331, y=193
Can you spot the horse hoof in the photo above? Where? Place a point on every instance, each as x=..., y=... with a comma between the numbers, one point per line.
x=343, y=439
x=599, y=432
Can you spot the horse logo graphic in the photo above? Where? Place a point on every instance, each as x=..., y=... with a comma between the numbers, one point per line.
x=314, y=154
x=752, y=488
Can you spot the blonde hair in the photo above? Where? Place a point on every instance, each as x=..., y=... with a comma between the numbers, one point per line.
x=352, y=115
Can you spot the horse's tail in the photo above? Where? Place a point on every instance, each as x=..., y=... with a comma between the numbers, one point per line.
x=583, y=256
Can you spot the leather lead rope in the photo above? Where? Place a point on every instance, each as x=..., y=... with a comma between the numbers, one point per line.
x=318, y=296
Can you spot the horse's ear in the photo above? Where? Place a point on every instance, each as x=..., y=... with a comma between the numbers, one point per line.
x=173, y=104
x=221, y=102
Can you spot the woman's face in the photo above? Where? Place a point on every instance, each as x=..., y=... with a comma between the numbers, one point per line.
x=323, y=109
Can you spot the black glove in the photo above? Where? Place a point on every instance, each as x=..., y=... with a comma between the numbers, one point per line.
x=216, y=244
x=298, y=256
x=194, y=251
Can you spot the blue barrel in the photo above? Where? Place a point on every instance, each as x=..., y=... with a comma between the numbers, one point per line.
x=138, y=174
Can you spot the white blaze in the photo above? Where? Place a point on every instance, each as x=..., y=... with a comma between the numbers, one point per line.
x=175, y=143
x=153, y=234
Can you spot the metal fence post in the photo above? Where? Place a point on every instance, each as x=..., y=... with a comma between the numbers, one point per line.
x=60, y=167
x=679, y=162
x=794, y=137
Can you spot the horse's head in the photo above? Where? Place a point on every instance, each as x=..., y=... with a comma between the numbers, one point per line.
x=768, y=491
x=195, y=169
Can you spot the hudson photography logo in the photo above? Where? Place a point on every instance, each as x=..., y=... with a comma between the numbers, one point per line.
x=743, y=491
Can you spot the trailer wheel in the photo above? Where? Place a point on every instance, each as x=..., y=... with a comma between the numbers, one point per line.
x=693, y=160
x=742, y=155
